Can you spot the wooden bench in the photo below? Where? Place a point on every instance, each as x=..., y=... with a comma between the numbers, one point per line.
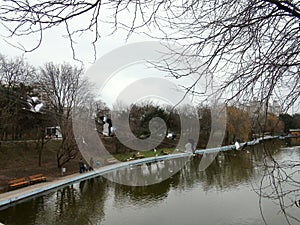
x=37, y=178
x=20, y=182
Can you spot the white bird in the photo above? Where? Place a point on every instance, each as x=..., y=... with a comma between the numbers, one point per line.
x=83, y=141
x=237, y=145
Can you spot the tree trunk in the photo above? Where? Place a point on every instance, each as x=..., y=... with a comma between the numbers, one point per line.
x=41, y=151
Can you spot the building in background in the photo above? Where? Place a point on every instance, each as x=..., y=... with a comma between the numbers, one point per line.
x=275, y=108
x=294, y=134
x=256, y=107
x=53, y=132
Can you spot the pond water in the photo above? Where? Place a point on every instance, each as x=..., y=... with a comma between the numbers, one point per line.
x=258, y=185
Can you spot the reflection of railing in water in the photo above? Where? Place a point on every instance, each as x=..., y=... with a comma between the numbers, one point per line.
x=148, y=172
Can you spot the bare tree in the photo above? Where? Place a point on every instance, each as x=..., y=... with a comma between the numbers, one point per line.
x=238, y=125
x=15, y=79
x=279, y=183
x=15, y=71
x=251, y=47
x=62, y=85
x=254, y=43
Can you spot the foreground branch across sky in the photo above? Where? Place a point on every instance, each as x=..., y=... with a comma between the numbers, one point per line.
x=250, y=47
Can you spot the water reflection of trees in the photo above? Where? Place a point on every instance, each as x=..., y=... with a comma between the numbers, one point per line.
x=273, y=177
x=13, y=216
x=280, y=182
x=160, y=175
x=228, y=170
x=80, y=204
x=148, y=173
x=141, y=195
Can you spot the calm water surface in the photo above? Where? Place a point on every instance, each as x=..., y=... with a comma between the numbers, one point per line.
x=239, y=187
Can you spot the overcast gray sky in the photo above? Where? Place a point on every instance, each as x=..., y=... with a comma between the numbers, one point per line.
x=56, y=48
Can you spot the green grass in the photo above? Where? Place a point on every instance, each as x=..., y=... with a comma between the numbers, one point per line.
x=130, y=155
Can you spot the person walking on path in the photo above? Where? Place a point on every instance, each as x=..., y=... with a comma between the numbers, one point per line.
x=81, y=166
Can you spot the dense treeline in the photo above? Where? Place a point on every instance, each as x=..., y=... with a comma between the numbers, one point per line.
x=290, y=121
x=18, y=98
x=240, y=124
x=32, y=99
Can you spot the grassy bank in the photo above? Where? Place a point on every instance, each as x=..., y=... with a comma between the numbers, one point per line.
x=143, y=154
x=20, y=159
